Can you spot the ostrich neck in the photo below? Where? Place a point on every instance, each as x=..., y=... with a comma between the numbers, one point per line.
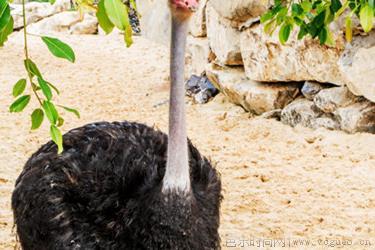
x=177, y=175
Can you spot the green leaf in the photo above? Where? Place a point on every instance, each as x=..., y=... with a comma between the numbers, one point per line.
x=3, y=6
x=281, y=15
x=329, y=17
x=37, y=118
x=45, y=88
x=71, y=110
x=31, y=68
x=267, y=16
x=8, y=29
x=59, y=49
x=319, y=19
x=54, y=87
x=366, y=16
x=19, y=87
x=103, y=19
x=348, y=29
x=270, y=27
x=20, y=104
x=297, y=9
x=342, y=9
x=60, y=121
x=128, y=36
x=4, y=16
x=323, y=35
x=52, y=1
x=117, y=13
x=50, y=111
x=284, y=33
x=335, y=5
x=57, y=138
x=302, y=32
x=306, y=6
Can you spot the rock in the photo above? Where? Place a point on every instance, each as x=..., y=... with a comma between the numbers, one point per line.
x=357, y=66
x=251, y=95
x=311, y=88
x=89, y=25
x=358, y=117
x=273, y=114
x=155, y=21
x=301, y=111
x=198, y=21
x=198, y=55
x=341, y=111
x=328, y=100
x=67, y=22
x=36, y=11
x=326, y=121
x=265, y=59
x=201, y=89
x=240, y=10
x=223, y=38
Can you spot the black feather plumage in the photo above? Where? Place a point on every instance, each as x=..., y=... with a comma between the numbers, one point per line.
x=104, y=192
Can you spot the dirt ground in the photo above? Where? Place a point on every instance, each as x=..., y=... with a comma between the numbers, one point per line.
x=278, y=182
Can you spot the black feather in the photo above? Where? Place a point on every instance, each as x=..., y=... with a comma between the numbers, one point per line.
x=104, y=192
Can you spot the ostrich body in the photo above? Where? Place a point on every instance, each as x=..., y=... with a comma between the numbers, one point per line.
x=123, y=185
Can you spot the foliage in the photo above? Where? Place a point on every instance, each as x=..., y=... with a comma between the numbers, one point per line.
x=313, y=17
x=110, y=13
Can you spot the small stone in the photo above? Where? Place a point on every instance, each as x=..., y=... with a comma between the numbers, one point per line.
x=358, y=117
x=301, y=111
x=192, y=85
x=201, y=89
x=273, y=114
x=311, y=139
x=327, y=122
x=328, y=100
x=310, y=89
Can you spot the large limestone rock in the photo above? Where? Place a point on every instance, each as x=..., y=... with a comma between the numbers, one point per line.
x=67, y=22
x=198, y=21
x=265, y=59
x=240, y=10
x=89, y=25
x=198, y=55
x=36, y=11
x=224, y=39
x=357, y=65
x=251, y=95
x=156, y=20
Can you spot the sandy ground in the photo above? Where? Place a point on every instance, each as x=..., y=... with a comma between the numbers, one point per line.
x=278, y=182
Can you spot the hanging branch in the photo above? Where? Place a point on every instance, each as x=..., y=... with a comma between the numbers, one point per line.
x=110, y=13
x=314, y=16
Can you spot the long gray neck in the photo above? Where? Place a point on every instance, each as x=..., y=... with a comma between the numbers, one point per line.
x=177, y=175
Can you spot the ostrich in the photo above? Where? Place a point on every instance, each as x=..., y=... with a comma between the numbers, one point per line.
x=123, y=185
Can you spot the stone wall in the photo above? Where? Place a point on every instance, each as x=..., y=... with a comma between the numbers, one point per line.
x=302, y=82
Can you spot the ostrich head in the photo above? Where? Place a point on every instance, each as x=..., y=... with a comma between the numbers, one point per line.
x=183, y=9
